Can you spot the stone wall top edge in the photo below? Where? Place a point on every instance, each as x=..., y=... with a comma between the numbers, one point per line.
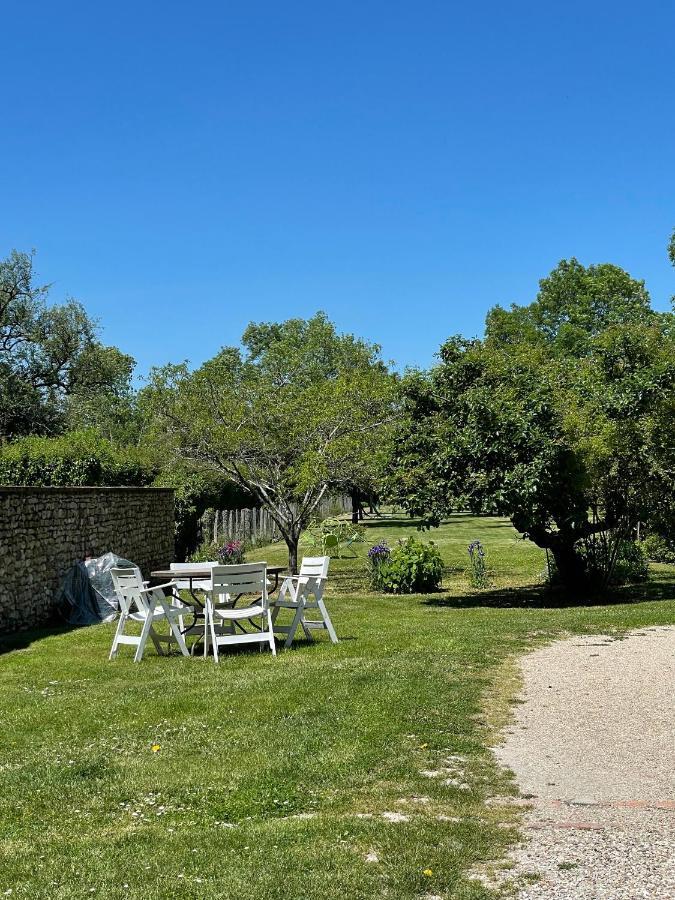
x=92, y=489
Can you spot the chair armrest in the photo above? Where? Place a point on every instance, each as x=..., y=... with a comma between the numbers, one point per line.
x=157, y=587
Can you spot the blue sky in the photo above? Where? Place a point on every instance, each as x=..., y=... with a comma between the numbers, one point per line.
x=184, y=168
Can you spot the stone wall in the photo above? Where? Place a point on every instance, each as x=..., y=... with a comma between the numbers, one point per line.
x=43, y=531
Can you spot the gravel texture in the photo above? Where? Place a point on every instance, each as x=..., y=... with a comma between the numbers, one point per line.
x=593, y=747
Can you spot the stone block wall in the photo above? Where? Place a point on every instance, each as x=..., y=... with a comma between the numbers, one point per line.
x=43, y=531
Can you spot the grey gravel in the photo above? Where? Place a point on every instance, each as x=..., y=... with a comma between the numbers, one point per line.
x=593, y=747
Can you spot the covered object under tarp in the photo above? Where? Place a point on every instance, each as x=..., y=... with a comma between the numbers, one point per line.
x=87, y=595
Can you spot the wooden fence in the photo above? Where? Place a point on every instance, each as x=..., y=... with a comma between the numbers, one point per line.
x=255, y=526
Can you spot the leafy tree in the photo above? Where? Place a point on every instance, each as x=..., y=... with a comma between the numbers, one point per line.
x=52, y=365
x=561, y=418
x=297, y=411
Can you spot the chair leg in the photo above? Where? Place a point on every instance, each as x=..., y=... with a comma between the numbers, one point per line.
x=207, y=616
x=147, y=628
x=327, y=621
x=156, y=641
x=214, y=639
x=297, y=618
x=180, y=640
x=273, y=646
x=118, y=633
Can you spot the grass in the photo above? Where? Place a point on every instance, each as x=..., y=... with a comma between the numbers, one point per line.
x=273, y=777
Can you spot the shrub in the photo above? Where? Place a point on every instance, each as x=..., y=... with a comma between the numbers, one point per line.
x=478, y=573
x=658, y=549
x=412, y=567
x=631, y=564
x=229, y=554
x=79, y=458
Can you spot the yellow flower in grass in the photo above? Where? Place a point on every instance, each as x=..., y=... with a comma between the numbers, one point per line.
x=155, y=748
x=427, y=873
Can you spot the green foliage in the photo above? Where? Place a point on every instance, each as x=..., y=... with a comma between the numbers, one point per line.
x=657, y=549
x=631, y=565
x=228, y=553
x=197, y=489
x=295, y=413
x=622, y=562
x=413, y=567
x=76, y=459
x=52, y=366
x=561, y=418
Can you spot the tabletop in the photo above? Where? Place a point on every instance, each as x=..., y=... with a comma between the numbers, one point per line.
x=188, y=574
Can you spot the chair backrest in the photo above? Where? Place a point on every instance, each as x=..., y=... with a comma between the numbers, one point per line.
x=128, y=584
x=245, y=578
x=183, y=584
x=314, y=566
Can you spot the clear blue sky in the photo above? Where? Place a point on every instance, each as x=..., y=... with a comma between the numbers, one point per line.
x=183, y=168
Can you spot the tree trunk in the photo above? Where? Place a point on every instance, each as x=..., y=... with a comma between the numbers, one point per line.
x=292, y=544
x=356, y=505
x=570, y=565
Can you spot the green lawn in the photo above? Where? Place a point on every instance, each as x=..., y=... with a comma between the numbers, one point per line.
x=274, y=776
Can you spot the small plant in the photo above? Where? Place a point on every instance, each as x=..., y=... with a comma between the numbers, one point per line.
x=478, y=573
x=412, y=567
x=231, y=553
x=377, y=555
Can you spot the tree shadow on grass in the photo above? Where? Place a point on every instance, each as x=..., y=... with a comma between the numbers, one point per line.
x=542, y=597
x=21, y=640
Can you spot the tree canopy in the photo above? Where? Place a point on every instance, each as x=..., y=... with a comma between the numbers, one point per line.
x=54, y=372
x=561, y=418
x=297, y=410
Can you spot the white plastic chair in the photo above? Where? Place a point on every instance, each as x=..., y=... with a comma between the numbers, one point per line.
x=301, y=593
x=188, y=584
x=148, y=606
x=227, y=584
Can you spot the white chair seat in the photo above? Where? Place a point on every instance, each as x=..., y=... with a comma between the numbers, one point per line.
x=238, y=612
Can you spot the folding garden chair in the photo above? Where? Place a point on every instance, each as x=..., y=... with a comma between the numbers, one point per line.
x=195, y=605
x=301, y=593
x=147, y=606
x=228, y=583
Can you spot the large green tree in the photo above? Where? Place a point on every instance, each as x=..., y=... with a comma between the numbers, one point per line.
x=54, y=372
x=562, y=418
x=298, y=410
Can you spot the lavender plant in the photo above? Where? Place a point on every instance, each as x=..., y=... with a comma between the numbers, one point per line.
x=478, y=573
x=377, y=555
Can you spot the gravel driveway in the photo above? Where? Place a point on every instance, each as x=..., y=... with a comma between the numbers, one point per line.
x=593, y=744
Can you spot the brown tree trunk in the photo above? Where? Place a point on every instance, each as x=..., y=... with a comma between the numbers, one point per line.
x=292, y=544
x=570, y=565
x=356, y=505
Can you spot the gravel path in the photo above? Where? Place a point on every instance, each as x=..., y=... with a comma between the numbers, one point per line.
x=593, y=745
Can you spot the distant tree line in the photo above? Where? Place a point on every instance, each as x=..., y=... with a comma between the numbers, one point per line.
x=561, y=417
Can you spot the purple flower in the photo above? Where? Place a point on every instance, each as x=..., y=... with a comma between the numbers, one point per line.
x=379, y=552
